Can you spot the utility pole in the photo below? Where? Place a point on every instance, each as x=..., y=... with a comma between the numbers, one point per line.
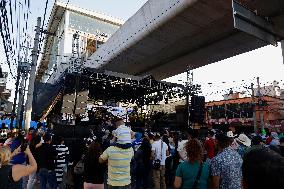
x=15, y=98
x=29, y=101
x=188, y=95
x=254, y=108
x=261, y=111
x=23, y=72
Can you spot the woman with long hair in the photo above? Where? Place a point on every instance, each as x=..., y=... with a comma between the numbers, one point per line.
x=93, y=170
x=143, y=164
x=193, y=173
x=10, y=175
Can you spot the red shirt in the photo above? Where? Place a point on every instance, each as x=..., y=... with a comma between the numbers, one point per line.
x=210, y=148
x=268, y=140
x=29, y=137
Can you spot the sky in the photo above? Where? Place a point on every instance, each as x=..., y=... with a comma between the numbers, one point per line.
x=216, y=78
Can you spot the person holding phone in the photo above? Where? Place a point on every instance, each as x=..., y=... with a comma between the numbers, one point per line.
x=10, y=175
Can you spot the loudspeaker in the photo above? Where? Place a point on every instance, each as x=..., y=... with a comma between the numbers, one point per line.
x=197, y=112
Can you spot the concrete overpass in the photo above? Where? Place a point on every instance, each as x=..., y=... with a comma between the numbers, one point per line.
x=165, y=36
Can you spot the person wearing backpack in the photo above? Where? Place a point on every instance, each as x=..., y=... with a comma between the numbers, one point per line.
x=160, y=152
x=193, y=173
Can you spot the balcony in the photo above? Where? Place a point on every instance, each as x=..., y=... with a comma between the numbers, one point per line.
x=3, y=82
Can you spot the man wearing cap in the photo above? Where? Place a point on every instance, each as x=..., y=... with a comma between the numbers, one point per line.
x=119, y=157
x=226, y=166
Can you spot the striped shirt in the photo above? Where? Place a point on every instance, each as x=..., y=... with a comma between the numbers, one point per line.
x=61, y=161
x=118, y=165
x=123, y=134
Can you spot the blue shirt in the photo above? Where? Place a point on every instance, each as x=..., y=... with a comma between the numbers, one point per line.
x=19, y=158
x=227, y=165
x=242, y=150
x=188, y=172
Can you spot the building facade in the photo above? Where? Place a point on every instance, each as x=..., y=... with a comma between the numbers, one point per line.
x=5, y=105
x=269, y=112
x=73, y=33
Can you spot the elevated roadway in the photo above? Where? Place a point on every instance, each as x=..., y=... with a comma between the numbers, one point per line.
x=165, y=36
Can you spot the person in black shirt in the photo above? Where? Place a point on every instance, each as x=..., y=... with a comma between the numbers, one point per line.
x=47, y=155
x=93, y=170
x=35, y=143
x=143, y=164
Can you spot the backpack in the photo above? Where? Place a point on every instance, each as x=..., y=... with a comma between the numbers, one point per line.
x=79, y=167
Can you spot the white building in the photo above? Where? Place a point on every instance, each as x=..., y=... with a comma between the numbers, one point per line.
x=60, y=47
x=5, y=105
x=271, y=90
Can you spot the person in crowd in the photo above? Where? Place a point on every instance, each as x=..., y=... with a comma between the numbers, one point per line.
x=61, y=160
x=19, y=158
x=160, y=152
x=268, y=138
x=192, y=173
x=169, y=174
x=119, y=157
x=3, y=135
x=234, y=144
x=209, y=145
x=35, y=143
x=143, y=162
x=282, y=146
x=244, y=144
x=29, y=136
x=275, y=139
x=262, y=168
x=93, y=170
x=137, y=141
x=10, y=175
x=226, y=166
x=256, y=142
x=151, y=138
x=9, y=139
x=122, y=134
x=40, y=129
x=47, y=157
x=181, y=147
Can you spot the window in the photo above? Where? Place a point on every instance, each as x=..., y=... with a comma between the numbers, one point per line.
x=91, y=25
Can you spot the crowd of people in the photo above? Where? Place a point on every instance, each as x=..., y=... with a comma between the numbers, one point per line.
x=116, y=157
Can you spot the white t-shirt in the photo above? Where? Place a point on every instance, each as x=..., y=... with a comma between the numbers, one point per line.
x=182, y=151
x=156, y=147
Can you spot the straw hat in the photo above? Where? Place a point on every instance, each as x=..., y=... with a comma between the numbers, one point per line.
x=244, y=140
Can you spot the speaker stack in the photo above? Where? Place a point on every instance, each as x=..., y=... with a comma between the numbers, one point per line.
x=197, y=112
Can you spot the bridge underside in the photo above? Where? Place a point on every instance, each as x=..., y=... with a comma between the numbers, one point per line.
x=165, y=36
